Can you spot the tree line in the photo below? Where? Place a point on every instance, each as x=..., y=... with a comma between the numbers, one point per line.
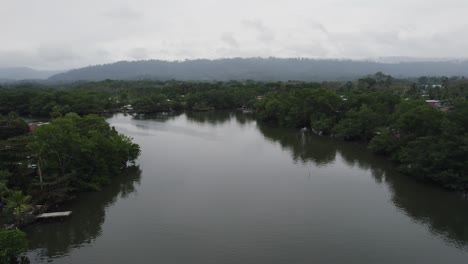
x=32, y=99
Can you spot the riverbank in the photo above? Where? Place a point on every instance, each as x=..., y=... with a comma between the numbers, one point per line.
x=395, y=145
x=426, y=142
x=217, y=186
x=426, y=151
x=55, y=161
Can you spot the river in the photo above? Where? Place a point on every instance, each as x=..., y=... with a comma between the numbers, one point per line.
x=220, y=188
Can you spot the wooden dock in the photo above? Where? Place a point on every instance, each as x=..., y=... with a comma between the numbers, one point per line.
x=54, y=215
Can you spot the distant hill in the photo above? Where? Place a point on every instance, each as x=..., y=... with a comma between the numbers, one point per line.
x=262, y=69
x=23, y=73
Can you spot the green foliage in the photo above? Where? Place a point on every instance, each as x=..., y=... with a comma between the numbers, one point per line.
x=11, y=126
x=375, y=81
x=4, y=191
x=12, y=244
x=301, y=108
x=14, y=160
x=144, y=96
x=43, y=103
x=79, y=153
x=358, y=125
x=269, y=109
x=385, y=143
x=418, y=121
x=18, y=203
x=152, y=104
x=458, y=117
x=438, y=159
x=322, y=123
x=435, y=145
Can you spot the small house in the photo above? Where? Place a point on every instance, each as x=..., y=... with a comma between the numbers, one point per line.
x=35, y=125
x=433, y=103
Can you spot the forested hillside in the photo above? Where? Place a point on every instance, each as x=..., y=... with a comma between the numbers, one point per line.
x=259, y=69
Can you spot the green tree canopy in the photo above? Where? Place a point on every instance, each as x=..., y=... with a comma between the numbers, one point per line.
x=12, y=244
x=77, y=153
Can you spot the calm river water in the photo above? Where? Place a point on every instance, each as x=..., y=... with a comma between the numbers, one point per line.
x=219, y=188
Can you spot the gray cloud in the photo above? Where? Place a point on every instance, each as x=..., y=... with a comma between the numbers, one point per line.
x=36, y=57
x=311, y=49
x=56, y=53
x=139, y=53
x=264, y=33
x=124, y=12
x=17, y=58
x=57, y=34
x=320, y=27
x=228, y=39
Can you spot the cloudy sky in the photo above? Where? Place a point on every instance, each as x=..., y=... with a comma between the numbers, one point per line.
x=63, y=34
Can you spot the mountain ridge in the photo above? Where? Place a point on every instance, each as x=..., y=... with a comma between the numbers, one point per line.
x=260, y=69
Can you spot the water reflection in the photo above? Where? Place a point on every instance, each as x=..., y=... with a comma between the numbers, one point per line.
x=303, y=148
x=214, y=195
x=162, y=117
x=209, y=117
x=215, y=118
x=443, y=212
x=85, y=225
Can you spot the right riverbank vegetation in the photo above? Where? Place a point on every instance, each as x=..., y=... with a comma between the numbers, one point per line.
x=419, y=124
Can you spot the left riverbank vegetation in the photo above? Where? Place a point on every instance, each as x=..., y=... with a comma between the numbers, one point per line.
x=70, y=154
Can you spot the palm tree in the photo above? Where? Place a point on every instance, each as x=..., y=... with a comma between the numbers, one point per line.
x=19, y=203
x=4, y=191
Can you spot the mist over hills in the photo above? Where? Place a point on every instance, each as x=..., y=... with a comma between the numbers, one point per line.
x=261, y=69
x=24, y=73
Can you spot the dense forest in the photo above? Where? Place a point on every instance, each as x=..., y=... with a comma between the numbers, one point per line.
x=32, y=99
x=420, y=124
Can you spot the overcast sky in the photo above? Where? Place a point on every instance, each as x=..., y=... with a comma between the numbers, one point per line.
x=63, y=34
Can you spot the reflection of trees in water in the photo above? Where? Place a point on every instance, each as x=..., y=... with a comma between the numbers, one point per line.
x=242, y=118
x=218, y=117
x=356, y=154
x=212, y=117
x=163, y=117
x=303, y=148
x=86, y=221
x=445, y=213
